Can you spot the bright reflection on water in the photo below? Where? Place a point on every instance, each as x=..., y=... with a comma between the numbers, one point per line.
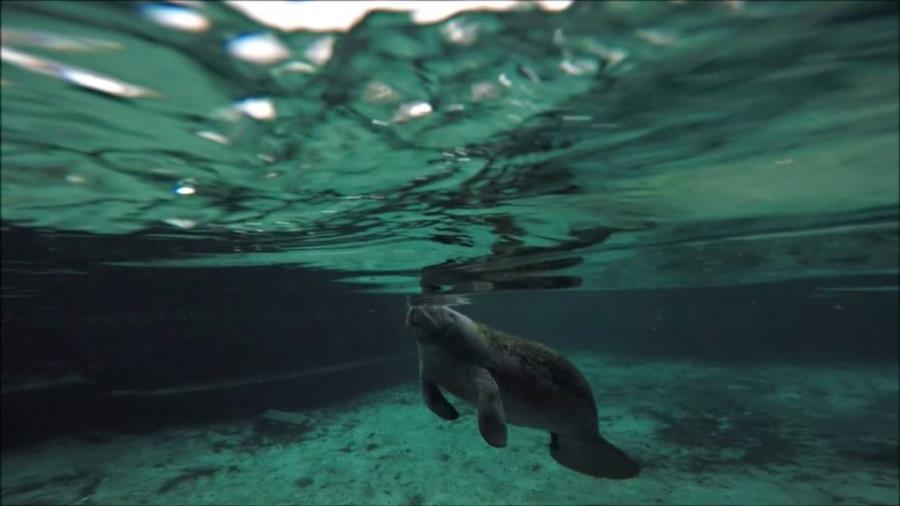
x=175, y=16
x=600, y=145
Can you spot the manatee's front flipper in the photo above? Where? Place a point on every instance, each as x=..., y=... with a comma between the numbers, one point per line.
x=436, y=402
x=592, y=455
x=491, y=418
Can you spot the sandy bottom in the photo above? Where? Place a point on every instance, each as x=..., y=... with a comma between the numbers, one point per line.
x=706, y=434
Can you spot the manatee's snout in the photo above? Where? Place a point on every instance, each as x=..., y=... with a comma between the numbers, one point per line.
x=431, y=323
x=437, y=325
x=422, y=318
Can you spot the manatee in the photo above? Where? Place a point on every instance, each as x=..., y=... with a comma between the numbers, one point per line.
x=510, y=380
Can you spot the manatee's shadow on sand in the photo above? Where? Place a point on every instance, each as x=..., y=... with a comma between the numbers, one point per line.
x=719, y=421
x=715, y=431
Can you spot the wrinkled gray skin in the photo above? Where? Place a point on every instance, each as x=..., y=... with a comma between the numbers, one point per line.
x=511, y=380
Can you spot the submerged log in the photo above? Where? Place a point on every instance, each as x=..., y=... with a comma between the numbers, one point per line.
x=229, y=384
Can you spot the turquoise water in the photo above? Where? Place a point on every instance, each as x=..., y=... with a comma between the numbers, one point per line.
x=698, y=198
x=719, y=145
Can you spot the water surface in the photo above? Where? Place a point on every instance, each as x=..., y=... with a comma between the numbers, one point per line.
x=605, y=146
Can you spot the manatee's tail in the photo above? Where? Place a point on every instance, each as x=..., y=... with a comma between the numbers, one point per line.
x=593, y=456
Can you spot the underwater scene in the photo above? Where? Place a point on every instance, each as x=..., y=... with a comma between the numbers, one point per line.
x=450, y=252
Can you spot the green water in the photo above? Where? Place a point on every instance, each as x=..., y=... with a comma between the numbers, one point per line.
x=608, y=146
x=215, y=216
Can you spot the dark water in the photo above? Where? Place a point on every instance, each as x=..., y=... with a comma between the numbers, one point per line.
x=207, y=215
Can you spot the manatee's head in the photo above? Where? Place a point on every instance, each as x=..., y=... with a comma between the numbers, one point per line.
x=440, y=325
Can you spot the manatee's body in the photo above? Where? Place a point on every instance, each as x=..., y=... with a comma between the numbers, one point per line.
x=511, y=380
x=539, y=388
